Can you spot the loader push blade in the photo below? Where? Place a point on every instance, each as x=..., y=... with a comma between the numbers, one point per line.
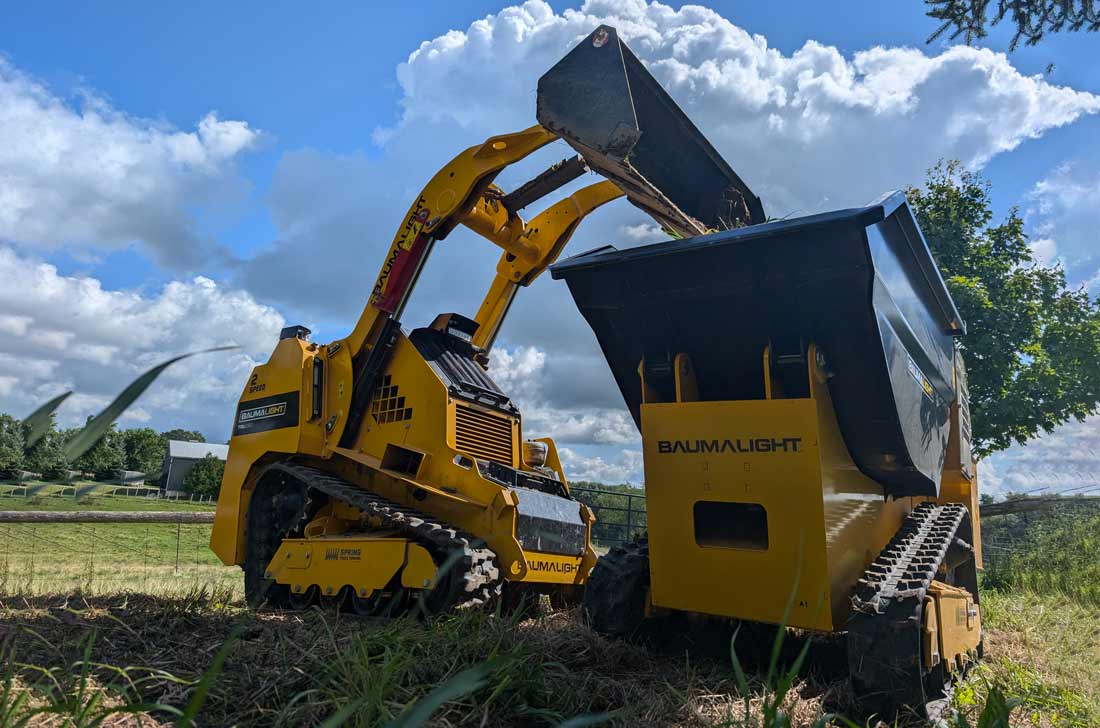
x=602, y=101
x=861, y=284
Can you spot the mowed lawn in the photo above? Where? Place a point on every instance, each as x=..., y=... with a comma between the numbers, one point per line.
x=157, y=558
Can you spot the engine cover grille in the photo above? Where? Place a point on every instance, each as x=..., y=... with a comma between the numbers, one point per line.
x=484, y=436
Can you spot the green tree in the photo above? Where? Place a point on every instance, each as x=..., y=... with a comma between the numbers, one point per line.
x=1032, y=348
x=105, y=458
x=11, y=444
x=205, y=478
x=184, y=435
x=144, y=450
x=46, y=457
x=1033, y=19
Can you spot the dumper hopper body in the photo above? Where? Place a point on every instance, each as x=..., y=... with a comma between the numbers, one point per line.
x=860, y=284
x=805, y=436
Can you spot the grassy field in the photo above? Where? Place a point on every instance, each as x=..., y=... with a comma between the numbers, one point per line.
x=107, y=558
x=163, y=632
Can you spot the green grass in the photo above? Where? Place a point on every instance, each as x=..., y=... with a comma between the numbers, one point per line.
x=1055, y=552
x=1044, y=650
x=99, y=503
x=106, y=558
x=294, y=669
x=289, y=669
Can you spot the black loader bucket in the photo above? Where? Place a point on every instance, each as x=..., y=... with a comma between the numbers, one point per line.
x=860, y=284
x=606, y=105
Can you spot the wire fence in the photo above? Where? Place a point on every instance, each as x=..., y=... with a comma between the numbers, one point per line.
x=619, y=515
x=45, y=558
x=97, y=490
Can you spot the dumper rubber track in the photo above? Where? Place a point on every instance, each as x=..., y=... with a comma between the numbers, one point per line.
x=472, y=577
x=885, y=629
x=615, y=596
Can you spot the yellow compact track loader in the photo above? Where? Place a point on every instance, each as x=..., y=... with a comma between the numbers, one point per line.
x=387, y=469
x=806, y=435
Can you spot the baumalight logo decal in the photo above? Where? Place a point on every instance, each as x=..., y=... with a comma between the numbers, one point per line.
x=276, y=409
x=917, y=374
x=558, y=567
x=739, y=445
x=268, y=413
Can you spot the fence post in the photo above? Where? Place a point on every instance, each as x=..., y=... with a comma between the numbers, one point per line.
x=145, y=559
x=34, y=546
x=91, y=560
x=178, y=525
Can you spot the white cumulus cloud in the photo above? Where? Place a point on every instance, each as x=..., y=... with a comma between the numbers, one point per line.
x=522, y=373
x=1065, y=216
x=88, y=176
x=807, y=131
x=69, y=332
x=624, y=467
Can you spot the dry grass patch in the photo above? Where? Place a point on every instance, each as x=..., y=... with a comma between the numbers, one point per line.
x=296, y=668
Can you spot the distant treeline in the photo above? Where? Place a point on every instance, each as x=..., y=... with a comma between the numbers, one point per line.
x=139, y=449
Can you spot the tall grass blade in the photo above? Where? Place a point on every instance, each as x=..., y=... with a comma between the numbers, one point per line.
x=459, y=686
x=777, y=645
x=739, y=673
x=997, y=709
x=341, y=716
x=97, y=428
x=38, y=423
x=194, y=705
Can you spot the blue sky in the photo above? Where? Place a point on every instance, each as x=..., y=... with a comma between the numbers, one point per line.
x=294, y=192
x=325, y=81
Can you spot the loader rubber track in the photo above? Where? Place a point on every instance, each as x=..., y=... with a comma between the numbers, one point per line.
x=885, y=629
x=472, y=576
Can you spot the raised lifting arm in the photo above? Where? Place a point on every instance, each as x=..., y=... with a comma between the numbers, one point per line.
x=459, y=191
x=546, y=235
x=463, y=192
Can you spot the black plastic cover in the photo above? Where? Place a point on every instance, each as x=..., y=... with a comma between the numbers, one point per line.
x=602, y=101
x=294, y=332
x=860, y=283
x=452, y=359
x=549, y=523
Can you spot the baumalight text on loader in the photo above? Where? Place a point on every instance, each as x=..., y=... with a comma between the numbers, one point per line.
x=806, y=435
x=386, y=470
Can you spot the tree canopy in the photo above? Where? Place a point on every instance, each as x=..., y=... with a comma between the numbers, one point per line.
x=1032, y=348
x=205, y=478
x=971, y=19
x=46, y=457
x=103, y=459
x=144, y=451
x=184, y=435
x=11, y=444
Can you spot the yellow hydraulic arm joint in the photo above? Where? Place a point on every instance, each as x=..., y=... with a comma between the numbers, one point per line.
x=533, y=251
x=458, y=187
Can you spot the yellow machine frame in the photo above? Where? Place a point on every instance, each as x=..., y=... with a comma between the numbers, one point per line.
x=416, y=460
x=809, y=521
